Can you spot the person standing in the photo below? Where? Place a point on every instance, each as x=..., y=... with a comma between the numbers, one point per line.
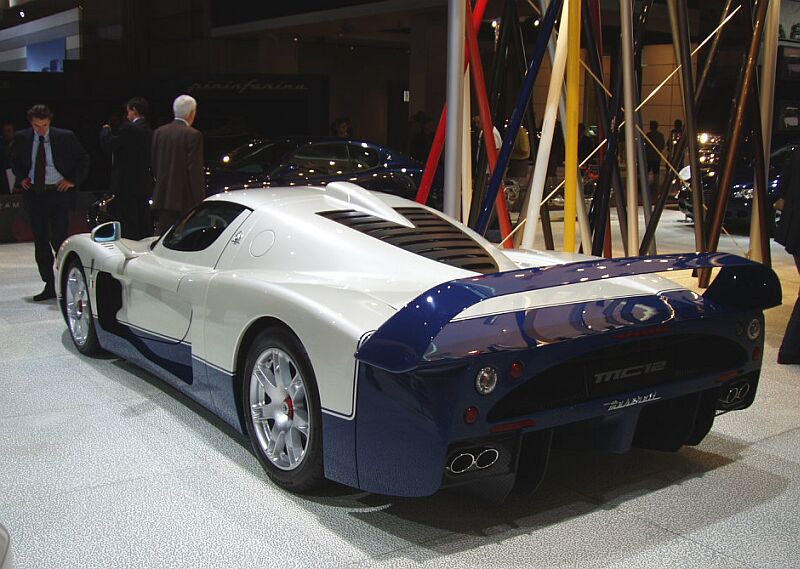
x=653, y=157
x=787, y=233
x=48, y=163
x=675, y=137
x=131, y=179
x=177, y=160
x=422, y=140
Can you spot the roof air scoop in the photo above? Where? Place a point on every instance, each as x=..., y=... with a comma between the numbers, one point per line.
x=362, y=200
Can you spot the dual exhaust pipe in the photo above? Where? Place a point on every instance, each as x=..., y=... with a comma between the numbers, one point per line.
x=474, y=459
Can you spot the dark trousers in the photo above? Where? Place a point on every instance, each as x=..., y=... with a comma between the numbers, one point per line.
x=49, y=217
x=790, y=346
x=134, y=214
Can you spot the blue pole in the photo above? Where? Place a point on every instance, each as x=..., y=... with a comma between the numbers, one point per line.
x=516, y=117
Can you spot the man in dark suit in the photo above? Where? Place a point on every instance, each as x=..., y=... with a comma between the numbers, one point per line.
x=131, y=180
x=787, y=233
x=177, y=159
x=48, y=163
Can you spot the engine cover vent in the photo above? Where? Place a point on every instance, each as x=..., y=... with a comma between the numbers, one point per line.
x=432, y=237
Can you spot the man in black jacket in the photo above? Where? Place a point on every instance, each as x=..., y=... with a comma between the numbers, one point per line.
x=787, y=233
x=131, y=179
x=48, y=163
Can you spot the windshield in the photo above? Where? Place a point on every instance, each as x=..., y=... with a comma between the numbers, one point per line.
x=264, y=154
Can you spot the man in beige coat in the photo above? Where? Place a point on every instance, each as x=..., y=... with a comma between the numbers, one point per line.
x=177, y=161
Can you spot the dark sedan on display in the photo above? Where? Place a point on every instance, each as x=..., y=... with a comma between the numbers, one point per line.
x=740, y=201
x=304, y=161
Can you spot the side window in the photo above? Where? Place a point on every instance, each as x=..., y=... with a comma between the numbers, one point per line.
x=199, y=228
x=324, y=158
x=363, y=157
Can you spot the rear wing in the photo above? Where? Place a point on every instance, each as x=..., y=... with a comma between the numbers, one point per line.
x=401, y=343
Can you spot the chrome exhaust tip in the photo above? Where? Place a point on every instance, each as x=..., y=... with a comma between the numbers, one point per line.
x=486, y=458
x=475, y=459
x=462, y=463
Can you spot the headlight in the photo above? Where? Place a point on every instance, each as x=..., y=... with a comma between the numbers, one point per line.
x=743, y=193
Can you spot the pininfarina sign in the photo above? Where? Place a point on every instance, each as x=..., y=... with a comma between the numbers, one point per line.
x=245, y=86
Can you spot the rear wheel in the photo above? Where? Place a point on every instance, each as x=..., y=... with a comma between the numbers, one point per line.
x=78, y=309
x=282, y=410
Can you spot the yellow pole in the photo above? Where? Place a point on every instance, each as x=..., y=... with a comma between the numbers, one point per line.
x=573, y=32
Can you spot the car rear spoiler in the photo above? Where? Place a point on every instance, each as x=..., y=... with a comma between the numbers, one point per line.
x=400, y=344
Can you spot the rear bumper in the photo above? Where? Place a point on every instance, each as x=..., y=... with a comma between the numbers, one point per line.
x=410, y=426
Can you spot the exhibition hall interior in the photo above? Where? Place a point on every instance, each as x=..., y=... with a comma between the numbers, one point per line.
x=400, y=283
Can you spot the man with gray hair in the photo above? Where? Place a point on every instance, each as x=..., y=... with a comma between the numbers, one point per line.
x=177, y=162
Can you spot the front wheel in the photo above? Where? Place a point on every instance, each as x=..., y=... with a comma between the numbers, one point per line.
x=78, y=310
x=282, y=410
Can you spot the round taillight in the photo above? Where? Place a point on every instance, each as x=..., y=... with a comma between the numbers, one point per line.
x=517, y=369
x=486, y=380
x=754, y=329
x=471, y=415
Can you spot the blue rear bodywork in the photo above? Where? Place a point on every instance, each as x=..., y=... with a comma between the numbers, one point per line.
x=590, y=367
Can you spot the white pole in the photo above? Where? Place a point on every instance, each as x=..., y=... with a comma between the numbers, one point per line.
x=456, y=16
x=769, y=59
x=630, y=125
x=466, y=152
x=536, y=189
x=580, y=207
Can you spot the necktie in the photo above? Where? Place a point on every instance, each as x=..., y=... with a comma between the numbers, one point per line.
x=38, y=171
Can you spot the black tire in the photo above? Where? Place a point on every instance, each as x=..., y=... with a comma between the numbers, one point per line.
x=76, y=305
x=283, y=413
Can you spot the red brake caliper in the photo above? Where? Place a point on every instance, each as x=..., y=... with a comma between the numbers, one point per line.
x=289, y=407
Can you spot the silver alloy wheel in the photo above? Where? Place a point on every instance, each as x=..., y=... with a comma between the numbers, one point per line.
x=279, y=409
x=77, y=303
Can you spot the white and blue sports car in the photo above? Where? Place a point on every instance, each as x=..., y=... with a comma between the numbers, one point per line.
x=373, y=341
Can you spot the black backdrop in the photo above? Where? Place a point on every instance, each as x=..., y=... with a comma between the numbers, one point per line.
x=230, y=108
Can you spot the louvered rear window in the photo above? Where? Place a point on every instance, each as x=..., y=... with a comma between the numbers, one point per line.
x=433, y=237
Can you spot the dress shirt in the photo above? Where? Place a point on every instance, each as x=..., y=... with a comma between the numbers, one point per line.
x=51, y=175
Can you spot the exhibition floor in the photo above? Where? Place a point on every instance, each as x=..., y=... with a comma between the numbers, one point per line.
x=102, y=465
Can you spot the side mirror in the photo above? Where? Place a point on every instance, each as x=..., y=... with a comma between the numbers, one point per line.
x=107, y=232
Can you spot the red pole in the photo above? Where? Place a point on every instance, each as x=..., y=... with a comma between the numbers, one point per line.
x=479, y=83
x=438, y=140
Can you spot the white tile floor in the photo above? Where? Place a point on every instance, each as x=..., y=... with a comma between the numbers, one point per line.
x=103, y=466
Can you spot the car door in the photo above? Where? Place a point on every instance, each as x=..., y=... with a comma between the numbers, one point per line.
x=158, y=294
